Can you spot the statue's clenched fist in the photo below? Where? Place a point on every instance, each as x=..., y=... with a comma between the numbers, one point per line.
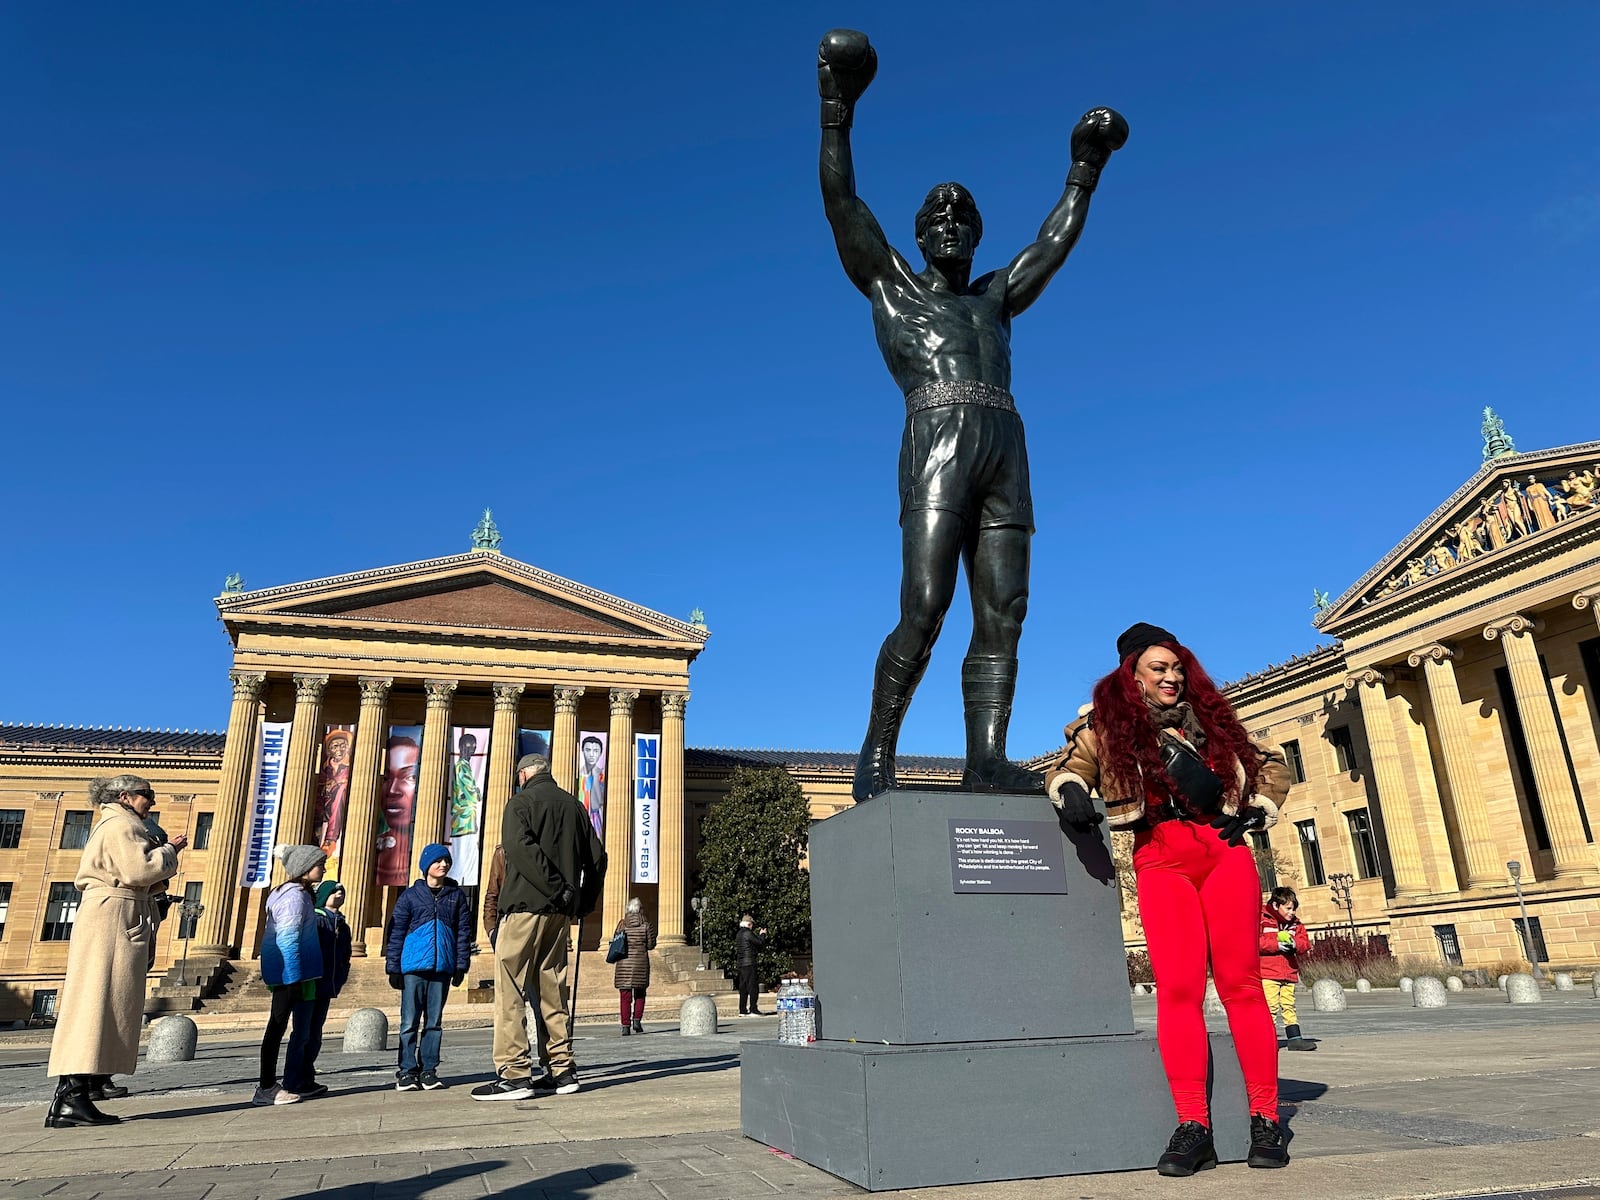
x=846, y=63
x=1099, y=134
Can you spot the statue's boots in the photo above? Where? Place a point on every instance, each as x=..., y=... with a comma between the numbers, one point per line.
x=988, y=683
x=72, y=1107
x=894, y=679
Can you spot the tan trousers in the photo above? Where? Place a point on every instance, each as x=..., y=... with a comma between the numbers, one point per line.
x=530, y=960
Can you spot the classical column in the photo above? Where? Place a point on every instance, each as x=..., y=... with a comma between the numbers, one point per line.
x=360, y=850
x=1405, y=853
x=427, y=823
x=295, y=821
x=502, y=765
x=213, y=931
x=564, y=738
x=670, y=917
x=1460, y=768
x=1572, y=854
x=619, y=809
x=1590, y=600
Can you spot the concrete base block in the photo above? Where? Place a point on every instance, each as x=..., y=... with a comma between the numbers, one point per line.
x=366, y=1030
x=886, y=1117
x=172, y=1039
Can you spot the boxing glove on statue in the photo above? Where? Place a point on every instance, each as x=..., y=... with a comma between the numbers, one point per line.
x=1099, y=134
x=846, y=63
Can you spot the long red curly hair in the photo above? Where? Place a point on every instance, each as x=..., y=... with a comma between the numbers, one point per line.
x=1129, y=742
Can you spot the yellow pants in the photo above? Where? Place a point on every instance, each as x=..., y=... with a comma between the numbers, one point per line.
x=1280, y=999
x=530, y=961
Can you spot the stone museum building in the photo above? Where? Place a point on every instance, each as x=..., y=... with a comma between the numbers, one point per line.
x=1446, y=729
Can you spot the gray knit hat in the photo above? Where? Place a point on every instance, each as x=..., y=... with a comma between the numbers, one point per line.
x=297, y=860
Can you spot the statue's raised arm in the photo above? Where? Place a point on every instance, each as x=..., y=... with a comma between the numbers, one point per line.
x=846, y=64
x=1100, y=133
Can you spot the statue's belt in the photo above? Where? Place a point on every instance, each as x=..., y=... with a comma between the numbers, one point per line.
x=939, y=393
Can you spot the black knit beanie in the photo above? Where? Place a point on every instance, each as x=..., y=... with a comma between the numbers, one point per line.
x=1138, y=638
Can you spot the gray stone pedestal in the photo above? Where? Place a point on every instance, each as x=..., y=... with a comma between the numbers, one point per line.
x=969, y=1036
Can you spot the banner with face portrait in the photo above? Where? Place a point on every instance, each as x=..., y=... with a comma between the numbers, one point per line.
x=397, y=805
x=467, y=769
x=646, y=806
x=592, y=777
x=333, y=793
x=261, y=828
x=532, y=741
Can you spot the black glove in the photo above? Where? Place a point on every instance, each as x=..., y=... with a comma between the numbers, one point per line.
x=1077, y=810
x=1232, y=829
x=395, y=980
x=458, y=978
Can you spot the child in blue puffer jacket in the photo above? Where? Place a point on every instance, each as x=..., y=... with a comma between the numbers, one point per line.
x=427, y=950
x=291, y=964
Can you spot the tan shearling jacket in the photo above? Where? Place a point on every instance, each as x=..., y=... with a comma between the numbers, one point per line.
x=1079, y=762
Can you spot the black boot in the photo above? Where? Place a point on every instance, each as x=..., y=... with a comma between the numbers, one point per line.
x=1190, y=1149
x=1268, y=1147
x=1295, y=1041
x=101, y=1088
x=626, y=1030
x=638, y=1026
x=72, y=1107
x=988, y=684
x=893, y=681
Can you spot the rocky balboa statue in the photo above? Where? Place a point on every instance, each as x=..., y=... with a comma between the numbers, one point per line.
x=964, y=493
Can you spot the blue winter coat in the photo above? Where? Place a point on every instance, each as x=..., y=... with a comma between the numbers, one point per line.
x=430, y=932
x=333, y=932
x=291, y=951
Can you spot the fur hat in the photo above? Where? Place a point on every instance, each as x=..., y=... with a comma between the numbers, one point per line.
x=432, y=853
x=298, y=860
x=1138, y=638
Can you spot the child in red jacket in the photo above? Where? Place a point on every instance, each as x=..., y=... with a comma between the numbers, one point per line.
x=1282, y=938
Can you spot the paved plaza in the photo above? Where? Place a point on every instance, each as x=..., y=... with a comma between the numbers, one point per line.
x=1481, y=1098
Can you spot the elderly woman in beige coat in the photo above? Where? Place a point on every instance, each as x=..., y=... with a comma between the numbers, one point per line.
x=113, y=943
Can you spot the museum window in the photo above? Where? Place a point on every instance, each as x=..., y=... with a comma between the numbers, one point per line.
x=60, y=911
x=10, y=828
x=1344, y=748
x=5, y=906
x=1262, y=848
x=44, y=1004
x=1449, y=945
x=75, y=828
x=187, y=922
x=1366, y=845
x=1297, y=764
x=202, y=831
x=1310, y=853
x=1536, y=946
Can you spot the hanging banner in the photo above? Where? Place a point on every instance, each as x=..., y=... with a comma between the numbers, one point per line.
x=592, y=777
x=646, y=805
x=533, y=741
x=265, y=798
x=333, y=793
x=469, y=764
x=397, y=805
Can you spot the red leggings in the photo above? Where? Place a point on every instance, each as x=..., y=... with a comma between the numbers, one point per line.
x=634, y=998
x=1195, y=890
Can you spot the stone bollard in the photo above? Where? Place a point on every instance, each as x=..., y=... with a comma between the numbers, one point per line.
x=1563, y=980
x=172, y=1039
x=1427, y=991
x=1454, y=984
x=367, y=1030
x=1406, y=983
x=1327, y=995
x=1213, y=1002
x=1501, y=982
x=698, y=1017
x=1522, y=988
x=1363, y=985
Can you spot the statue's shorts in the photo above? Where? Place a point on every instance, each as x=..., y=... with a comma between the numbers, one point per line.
x=963, y=451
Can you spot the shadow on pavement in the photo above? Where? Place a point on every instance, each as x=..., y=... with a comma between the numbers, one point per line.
x=565, y=1183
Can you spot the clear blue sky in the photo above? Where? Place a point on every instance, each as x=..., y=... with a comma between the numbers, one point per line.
x=299, y=289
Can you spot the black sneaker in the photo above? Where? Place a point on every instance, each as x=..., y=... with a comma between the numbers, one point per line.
x=432, y=1083
x=407, y=1081
x=563, y=1084
x=1190, y=1149
x=504, y=1089
x=315, y=1090
x=1267, y=1145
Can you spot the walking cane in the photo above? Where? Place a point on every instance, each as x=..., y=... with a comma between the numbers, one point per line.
x=577, y=962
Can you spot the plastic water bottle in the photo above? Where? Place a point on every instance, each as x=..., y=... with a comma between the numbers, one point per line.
x=785, y=1004
x=806, y=1013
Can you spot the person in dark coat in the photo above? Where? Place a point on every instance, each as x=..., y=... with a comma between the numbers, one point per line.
x=428, y=949
x=746, y=942
x=333, y=931
x=632, y=974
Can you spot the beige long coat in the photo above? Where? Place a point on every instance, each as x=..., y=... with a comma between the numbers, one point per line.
x=102, y=997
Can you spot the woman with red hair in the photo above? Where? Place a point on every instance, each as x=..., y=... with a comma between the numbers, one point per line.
x=1175, y=767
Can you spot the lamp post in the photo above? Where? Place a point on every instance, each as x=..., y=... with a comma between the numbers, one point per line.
x=1527, y=930
x=699, y=905
x=189, y=912
x=1340, y=884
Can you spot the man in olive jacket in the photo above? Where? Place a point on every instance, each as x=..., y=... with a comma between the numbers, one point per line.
x=555, y=871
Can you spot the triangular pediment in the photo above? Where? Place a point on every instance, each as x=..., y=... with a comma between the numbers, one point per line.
x=1510, y=506
x=478, y=592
